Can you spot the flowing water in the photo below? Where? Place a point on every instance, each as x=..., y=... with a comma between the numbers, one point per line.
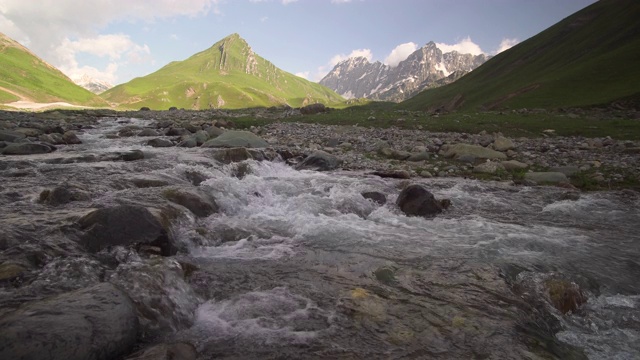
x=297, y=264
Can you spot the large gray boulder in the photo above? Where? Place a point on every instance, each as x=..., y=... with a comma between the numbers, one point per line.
x=94, y=323
x=319, y=161
x=27, y=149
x=11, y=136
x=415, y=200
x=125, y=225
x=502, y=143
x=235, y=138
x=458, y=150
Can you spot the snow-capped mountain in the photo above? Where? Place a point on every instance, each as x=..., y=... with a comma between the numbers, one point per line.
x=94, y=85
x=426, y=67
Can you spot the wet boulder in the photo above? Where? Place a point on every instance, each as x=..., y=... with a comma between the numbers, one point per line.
x=98, y=323
x=125, y=225
x=132, y=155
x=197, y=202
x=147, y=132
x=319, y=161
x=172, y=351
x=160, y=142
x=11, y=136
x=28, y=149
x=214, y=131
x=548, y=177
x=189, y=142
x=64, y=194
x=70, y=138
x=232, y=155
x=377, y=197
x=392, y=174
x=235, y=138
x=415, y=200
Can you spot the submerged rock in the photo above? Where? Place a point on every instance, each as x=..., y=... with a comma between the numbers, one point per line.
x=64, y=194
x=124, y=225
x=319, y=161
x=415, y=200
x=94, y=323
x=375, y=196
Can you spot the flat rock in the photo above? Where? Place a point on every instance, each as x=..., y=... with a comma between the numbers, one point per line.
x=546, y=177
x=393, y=174
x=160, y=142
x=235, y=138
x=11, y=136
x=457, y=150
x=98, y=323
x=514, y=165
x=27, y=149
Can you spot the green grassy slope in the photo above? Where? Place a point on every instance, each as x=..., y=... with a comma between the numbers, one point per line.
x=227, y=75
x=590, y=58
x=25, y=76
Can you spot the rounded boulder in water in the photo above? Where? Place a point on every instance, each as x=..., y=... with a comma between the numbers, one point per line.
x=415, y=200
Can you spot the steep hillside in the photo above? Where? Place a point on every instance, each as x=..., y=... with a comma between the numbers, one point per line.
x=227, y=75
x=590, y=58
x=425, y=68
x=24, y=76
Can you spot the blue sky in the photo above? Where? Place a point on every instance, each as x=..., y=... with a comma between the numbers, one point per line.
x=117, y=40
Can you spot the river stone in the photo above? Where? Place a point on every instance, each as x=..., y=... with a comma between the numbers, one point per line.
x=71, y=138
x=124, y=225
x=514, y=165
x=421, y=156
x=147, y=132
x=10, y=271
x=567, y=170
x=11, y=136
x=95, y=323
x=490, y=167
x=214, y=131
x=189, y=142
x=415, y=200
x=132, y=155
x=173, y=351
x=64, y=194
x=176, y=131
x=502, y=143
x=393, y=174
x=457, y=150
x=375, y=196
x=546, y=177
x=201, y=137
x=27, y=149
x=236, y=138
x=232, y=155
x=319, y=161
x=159, y=142
x=198, y=203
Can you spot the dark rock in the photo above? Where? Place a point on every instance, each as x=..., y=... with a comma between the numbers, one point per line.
x=64, y=194
x=94, y=323
x=173, y=351
x=234, y=138
x=148, y=182
x=132, y=155
x=28, y=149
x=147, y=132
x=126, y=132
x=173, y=108
x=71, y=138
x=546, y=177
x=319, y=161
x=198, y=203
x=177, y=132
x=159, y=142
x=312, y=109
x=415, y=200
x=144, y=108
x=189, y=142
x=232, y=155
x=375, y=196
x=124, y=225
x=195, y=177
x=10, y=271
x=11, y=136
x=421, y=156
x=201, y=137
x=564, y=295
x=392, y=174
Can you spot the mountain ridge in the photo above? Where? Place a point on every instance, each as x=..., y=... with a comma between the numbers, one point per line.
x=587, y=59
x=228, y=74
x=426, y=67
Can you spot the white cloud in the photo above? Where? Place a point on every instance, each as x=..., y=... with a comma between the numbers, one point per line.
x=400, y=53
x=116, y=47
x=174, y=37
x=285, y=2
x=366, y=53
x=264, y=18
x=303, y=74
x=506, y=44
x=465, y=46
x=47, y=25
x=340, y=1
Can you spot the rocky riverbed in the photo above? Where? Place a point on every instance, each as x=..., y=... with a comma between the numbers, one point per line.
x=173, y=235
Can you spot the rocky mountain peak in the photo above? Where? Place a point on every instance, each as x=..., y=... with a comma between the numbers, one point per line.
x=426, y=67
